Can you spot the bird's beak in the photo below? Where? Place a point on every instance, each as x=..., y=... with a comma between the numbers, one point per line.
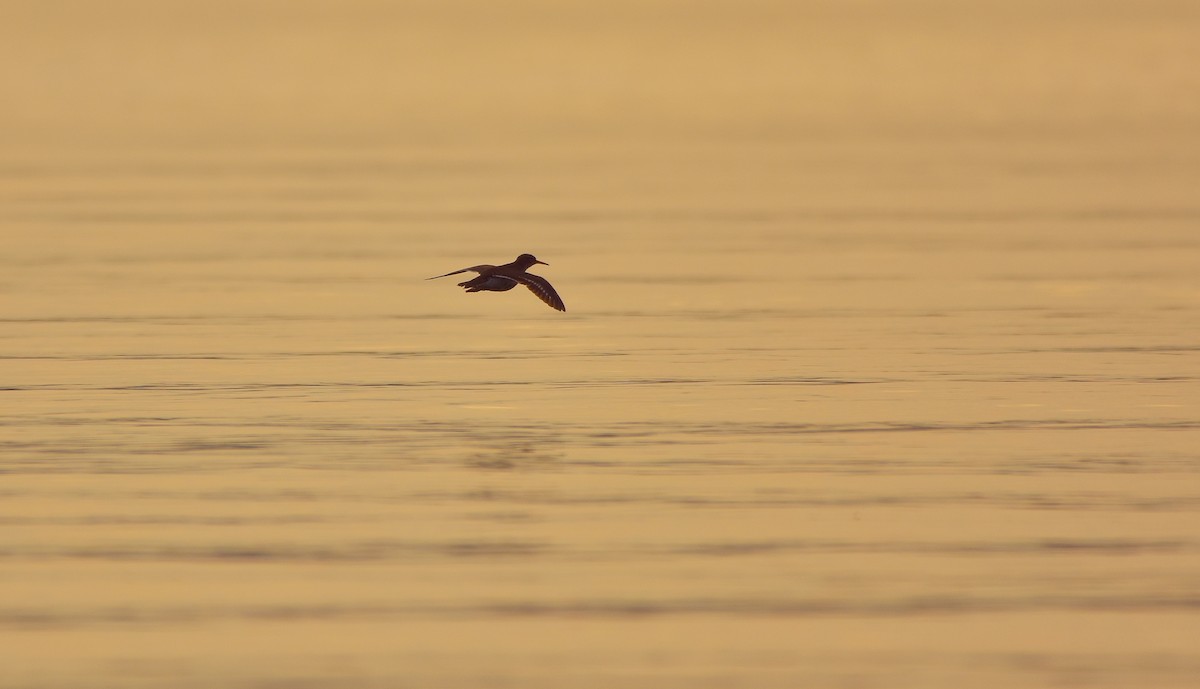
x=542, y=262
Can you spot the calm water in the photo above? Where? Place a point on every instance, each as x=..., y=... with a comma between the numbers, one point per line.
x=773, y=442
x=879, y=407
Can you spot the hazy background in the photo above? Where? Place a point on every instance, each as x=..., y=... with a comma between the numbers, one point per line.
x=880, y=364
x=371, y=74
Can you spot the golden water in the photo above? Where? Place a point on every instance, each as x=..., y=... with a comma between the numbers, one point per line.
x=880, y=367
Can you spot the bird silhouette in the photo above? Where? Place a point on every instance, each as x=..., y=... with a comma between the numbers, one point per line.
x=505, y=277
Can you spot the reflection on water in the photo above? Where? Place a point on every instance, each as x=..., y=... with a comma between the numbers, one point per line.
x=876, y=399
x=940, y=451
x=764, y=451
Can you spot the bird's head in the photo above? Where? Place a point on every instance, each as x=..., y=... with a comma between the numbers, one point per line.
x=526, y=260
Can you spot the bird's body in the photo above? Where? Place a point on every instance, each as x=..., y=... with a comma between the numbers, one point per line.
x=505, y=277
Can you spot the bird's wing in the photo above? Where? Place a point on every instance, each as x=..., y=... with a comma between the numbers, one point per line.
x=477, y=269
x=542, y=288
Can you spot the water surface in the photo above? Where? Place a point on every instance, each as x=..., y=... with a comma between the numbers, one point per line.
x=870, y=406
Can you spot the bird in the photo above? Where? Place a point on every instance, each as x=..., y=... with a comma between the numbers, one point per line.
x=505, y=277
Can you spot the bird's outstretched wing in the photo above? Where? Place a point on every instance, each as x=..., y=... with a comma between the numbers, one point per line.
x=542, y=288
x=477, y=269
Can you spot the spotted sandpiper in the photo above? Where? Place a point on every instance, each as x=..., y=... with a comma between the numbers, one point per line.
x=505, y=277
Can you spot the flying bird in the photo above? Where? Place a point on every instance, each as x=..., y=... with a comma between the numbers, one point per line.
x=505, y=277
